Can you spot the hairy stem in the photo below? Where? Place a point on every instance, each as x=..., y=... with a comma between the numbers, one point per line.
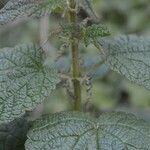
x=75, y=58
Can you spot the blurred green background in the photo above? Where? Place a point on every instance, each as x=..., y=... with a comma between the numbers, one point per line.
x=110, y=91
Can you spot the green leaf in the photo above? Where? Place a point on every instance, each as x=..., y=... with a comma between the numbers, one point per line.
x=24, y=80
x=71, y=131
x=93, y=32
x=89, y=34
x=130, y=56
x=14, y=134
x=15, y=9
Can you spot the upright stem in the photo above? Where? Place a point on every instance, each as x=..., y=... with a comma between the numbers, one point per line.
x=75, y=58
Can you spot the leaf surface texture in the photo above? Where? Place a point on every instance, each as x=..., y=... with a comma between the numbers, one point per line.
x=77, y=131
x=129, y=56
x=15, y=9
x=24, y=80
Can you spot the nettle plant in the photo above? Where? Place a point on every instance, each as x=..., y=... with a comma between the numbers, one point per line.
x=26, y=81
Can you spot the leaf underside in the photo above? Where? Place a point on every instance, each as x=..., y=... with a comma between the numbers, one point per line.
x=77, y=131
x=15, y=9
x=14, y=134
x=24, y=81
x=130, y=56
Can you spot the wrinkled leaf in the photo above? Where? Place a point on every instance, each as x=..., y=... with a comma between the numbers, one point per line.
x=20, y=8
x=93, y=32
x=72, y=131
x=130, y=56
x=14, y=134
x=24, y=80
